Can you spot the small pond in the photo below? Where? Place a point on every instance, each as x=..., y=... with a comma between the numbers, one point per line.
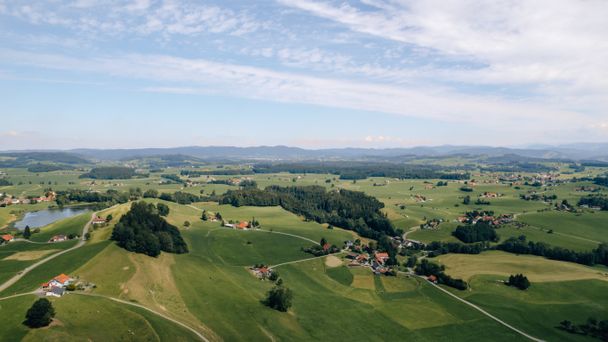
x=37, y=219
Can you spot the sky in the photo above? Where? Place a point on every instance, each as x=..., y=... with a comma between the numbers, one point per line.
x=308, y=73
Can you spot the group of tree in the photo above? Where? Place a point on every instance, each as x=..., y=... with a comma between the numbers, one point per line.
x=594, y=201
x=347, y=209
x=601, y=181
x=427, y=268
x=110, y=172
x=110, y=197
x=40, y=314
x=466, y=188
x=480, y=201
x=593, y=328
x=180, y=197
x=519, y=280
x=538, y=197
x=478, y=232
x=173, y=178
x=143, y=230
x=279, y=297
x=520, y=245
x=5, y=182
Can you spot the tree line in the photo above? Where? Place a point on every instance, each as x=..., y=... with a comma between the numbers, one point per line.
x=594, y=201
x=520, y=245
x=362, y=170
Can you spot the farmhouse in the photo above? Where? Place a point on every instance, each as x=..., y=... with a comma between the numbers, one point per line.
x=381, y=257
x=98, y=220
x=242, y=225
x=59, y=281
x=261, y=271
x=432, y=279
x=58, y=238
x=56, y=286
x=6, y=238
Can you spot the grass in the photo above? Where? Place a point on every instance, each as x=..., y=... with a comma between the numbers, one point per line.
x=540, y=308
x=537, y=269
x=95, y=319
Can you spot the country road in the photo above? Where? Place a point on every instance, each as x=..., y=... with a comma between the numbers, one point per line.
x=26, y=270
x=198, y=334
x=484, y=312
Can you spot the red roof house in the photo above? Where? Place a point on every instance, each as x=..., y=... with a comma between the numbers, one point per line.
x=7, y=237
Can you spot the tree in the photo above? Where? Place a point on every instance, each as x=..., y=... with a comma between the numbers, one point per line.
x=411, y=261
x=204, y=217
x=40, y=314
x=27, y=233
x=466, y=200
x=519, y=280
x=279, y=298
x=109, y=218
x=323, y=241
x=186, y=223
x=152, y=193
x=218, y=216
x=163, y=209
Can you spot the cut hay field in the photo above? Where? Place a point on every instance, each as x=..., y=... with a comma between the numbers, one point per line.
x=537, y=269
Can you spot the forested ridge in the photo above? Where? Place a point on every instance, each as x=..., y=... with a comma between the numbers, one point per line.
x=342, y=208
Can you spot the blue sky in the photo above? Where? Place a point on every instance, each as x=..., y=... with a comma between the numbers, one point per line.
x=310, y=73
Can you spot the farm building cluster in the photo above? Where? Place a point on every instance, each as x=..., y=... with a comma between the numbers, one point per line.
x=474, y=217
x=376, y=261
x=6, y=199
x=57, y=286
x=262, y=272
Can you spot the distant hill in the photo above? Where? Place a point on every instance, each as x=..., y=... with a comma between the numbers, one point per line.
x=582, y=151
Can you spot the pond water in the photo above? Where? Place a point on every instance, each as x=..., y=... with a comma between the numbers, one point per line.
x=36, y=219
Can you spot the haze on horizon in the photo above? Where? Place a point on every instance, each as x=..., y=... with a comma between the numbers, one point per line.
x=307, y=73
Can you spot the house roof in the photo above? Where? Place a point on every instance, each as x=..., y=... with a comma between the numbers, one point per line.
x=7, y=237
x=243, y=224
x=382, y=255
x=432, y=278
x=57, y=290
x=62, y=278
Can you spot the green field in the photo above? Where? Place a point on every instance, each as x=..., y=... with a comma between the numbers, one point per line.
x=211, y=290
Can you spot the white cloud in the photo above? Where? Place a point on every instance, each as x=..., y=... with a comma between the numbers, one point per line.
x=194, y=76
x=562, y=42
